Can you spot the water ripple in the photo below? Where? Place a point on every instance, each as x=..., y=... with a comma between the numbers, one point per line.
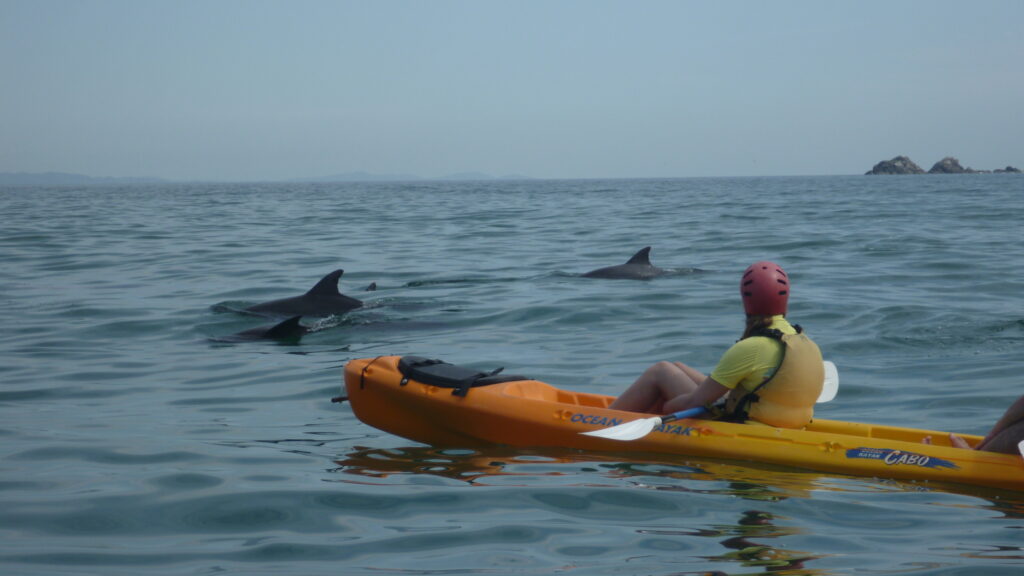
x=132, y=443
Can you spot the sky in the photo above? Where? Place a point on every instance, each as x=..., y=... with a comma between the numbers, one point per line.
x=273, y=90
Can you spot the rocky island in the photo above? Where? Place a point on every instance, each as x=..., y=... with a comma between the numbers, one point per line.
x=948, y=165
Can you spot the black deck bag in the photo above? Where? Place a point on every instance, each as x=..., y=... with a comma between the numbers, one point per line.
x=445, y=375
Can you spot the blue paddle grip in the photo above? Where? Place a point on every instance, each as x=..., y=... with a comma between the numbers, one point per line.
x=689, y=413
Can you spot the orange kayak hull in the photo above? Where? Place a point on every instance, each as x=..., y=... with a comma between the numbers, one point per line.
x=531, y=413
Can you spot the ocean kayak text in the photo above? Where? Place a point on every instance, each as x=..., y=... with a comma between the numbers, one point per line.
x=599, y=420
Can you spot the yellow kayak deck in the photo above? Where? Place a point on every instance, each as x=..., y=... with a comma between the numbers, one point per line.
x=530, y=413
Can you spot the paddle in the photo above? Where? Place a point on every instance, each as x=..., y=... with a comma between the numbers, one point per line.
x=644, y=426
x=1020, y=447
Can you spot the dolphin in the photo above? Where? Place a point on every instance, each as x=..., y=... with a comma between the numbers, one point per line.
x=321, y=300
x=638, y=267
x=288, y=331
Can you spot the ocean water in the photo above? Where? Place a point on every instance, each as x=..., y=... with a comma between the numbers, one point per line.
x=132, y=442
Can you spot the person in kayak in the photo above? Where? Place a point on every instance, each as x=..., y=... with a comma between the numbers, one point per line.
x=773, y=375
x=1004, y=437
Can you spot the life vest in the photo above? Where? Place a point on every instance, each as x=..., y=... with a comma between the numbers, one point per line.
x=786, y=398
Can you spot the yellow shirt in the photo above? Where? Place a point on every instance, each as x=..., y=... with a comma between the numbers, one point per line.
x=752, y=360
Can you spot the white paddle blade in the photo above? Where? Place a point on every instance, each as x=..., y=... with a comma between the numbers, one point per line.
x=831, y=386
x=1020, y=448
x=628, y=431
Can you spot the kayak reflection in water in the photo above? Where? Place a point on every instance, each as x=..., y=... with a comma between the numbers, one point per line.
x=772, y=375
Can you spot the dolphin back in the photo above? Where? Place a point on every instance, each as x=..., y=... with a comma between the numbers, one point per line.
x=642, y=257
x=323, y=299
x=328, y=285
x=638, y=267
x=289, y=329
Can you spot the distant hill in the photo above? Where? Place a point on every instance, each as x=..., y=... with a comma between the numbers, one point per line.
x=360, y=177
x=66, y=179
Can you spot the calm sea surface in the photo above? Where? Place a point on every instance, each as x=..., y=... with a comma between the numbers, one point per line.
x=132, y=443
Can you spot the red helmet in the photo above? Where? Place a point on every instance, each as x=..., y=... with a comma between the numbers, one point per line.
x=765, y=289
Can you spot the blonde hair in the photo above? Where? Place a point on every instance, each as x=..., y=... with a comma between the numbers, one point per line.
x=757, y=325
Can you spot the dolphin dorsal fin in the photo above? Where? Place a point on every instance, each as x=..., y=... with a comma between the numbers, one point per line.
x=641, y=257
x=328, y=284
x=287, y=329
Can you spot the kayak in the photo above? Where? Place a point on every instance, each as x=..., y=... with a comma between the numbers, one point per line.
x=446, y=405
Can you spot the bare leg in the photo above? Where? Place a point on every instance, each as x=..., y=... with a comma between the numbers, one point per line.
x=1008, y=430
x=659, y=383
x=695, y=375
x=1005, y=440
x=1003, y=437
